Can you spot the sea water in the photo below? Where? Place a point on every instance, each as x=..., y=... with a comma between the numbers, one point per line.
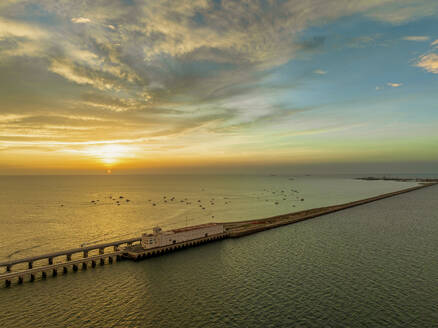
x=40, y=214
x=370, y=266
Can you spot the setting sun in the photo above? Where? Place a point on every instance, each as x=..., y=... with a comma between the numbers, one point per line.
x=109, y=154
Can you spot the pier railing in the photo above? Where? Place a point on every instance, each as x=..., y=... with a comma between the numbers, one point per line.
x=68, y=253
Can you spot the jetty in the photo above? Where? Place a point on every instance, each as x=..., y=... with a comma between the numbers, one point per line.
x=36, y=265
x=73, y=259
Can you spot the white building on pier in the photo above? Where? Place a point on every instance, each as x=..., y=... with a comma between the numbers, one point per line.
x=161, y=238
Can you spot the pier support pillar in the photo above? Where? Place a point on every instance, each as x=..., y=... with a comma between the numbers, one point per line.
x=20, y=279
x=75, y=267
x=85, y=253
x=7, y=283
x=44, y=275
x=93, y=264
x=30, y=265
x=50, y=260
x=68, y=257
x=32, y=277
x=118, y=257
x=64, y=270
x=110, y=260
x=84, y=266
x=54, y=272
x=102, y=261
x=101, y=251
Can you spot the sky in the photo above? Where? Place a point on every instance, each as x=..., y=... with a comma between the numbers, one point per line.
x=287, y=86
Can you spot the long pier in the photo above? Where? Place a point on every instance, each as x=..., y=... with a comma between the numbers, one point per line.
x=53, y=268
x=68, y=253
x=133, y=249
x=243, y=228
x=137, y=252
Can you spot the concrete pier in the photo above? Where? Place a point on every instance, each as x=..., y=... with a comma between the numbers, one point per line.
x=20, y=276
x=243, y=228
x=31, y=261
x=137, y=252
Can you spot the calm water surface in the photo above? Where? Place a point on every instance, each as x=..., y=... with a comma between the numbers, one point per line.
x=42, y=214
x=371, y=266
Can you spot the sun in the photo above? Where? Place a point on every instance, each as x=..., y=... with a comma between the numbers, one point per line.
x=110, y=154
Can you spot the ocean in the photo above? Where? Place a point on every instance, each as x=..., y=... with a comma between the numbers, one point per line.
x=369, y=266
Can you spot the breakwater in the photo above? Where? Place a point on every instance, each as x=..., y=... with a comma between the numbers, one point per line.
x=51, y=264
x=243, y=228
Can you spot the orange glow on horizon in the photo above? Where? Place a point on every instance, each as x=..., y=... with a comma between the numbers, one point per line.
x=109, y=155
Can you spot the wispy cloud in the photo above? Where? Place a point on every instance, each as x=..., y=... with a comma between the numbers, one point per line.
x=80, y=20
x=363, y=41
x=429, y=63
x=402, y=11
x=394, y=85
x=10, y=28
x=320, y=72
x=416, y=38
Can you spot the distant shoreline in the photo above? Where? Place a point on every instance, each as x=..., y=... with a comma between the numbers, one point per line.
x=426, y=180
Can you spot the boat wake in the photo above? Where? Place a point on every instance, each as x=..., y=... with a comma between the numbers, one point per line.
x=18, y=251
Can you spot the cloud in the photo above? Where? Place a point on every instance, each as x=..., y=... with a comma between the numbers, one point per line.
x=116, y=104
x=320, y=72
x=335, y=128
x=429, y=63
x=10, y=28
x=161, y=69
x=80, y=20
x=394, y=85
x=434, y=43
x=403, y=11
x=363, y=41
x=416, y=38
x=69, y=71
